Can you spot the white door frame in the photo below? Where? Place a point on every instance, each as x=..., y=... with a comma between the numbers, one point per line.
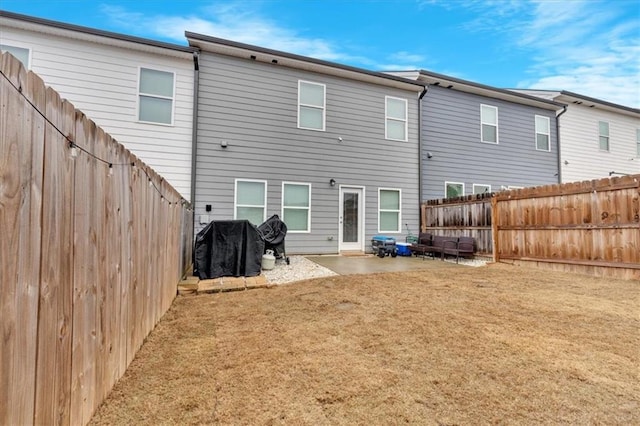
x=359, y=245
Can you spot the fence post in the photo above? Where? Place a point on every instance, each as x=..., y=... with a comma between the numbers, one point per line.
x=494, y=228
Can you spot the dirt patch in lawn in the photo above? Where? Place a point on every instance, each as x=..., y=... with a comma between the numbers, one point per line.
x=496, y=344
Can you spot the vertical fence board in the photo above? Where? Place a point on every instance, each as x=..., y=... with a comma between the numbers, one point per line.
x=54, y=329
x=20, y=198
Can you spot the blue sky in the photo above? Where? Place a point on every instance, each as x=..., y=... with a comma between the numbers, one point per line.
x=586, y=46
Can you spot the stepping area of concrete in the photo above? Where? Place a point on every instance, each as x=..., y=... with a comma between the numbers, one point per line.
x=369, y=264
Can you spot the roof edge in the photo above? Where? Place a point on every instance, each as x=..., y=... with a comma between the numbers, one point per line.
x=300, y=58
x=96, y=32
x=504, y=92
x=600, y=101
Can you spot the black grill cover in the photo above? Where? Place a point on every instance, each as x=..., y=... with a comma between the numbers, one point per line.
x=273, y=232
x=228, y=248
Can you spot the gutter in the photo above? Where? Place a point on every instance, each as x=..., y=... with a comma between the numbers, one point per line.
x=424, y=92
x=194, y=130
x=564, y=109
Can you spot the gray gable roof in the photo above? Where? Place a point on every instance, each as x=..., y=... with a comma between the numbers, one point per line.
x=95, y=32
x=261, y=54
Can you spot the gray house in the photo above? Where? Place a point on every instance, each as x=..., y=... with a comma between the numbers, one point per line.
x=477, y=138
x=331, y=149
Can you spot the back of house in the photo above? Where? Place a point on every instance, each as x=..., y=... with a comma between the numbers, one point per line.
x=331, y=149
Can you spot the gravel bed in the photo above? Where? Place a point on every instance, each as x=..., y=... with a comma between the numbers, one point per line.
x=299, y=268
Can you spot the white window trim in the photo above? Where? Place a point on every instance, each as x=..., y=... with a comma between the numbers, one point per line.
x=21, y=46
x=608, y=136
x=490, y=124
x=235, y=199
x=638, y=143
x=542, y=133
x=510, y=187
x=481, y=185
x=405, y=120
x=282, y=207
x=454, y=183
x=399, y=211
x=172, y=98
x=324, y=105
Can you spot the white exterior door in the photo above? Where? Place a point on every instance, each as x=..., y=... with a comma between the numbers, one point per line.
x=351, y=218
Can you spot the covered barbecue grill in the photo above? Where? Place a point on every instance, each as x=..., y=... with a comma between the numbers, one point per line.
x=273, y=232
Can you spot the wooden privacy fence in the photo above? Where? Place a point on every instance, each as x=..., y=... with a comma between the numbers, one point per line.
x=591, y=227
x=469, y=216
x=90, y=242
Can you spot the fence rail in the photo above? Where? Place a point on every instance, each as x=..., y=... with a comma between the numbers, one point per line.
x=93, y=243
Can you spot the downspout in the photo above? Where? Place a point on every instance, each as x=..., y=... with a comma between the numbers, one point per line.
x=194, y=131
x=564, y=109
x=424, y=92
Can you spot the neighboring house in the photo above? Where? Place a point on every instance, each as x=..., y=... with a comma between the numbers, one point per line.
x=477, y=138
x=139, y=91
x=597, y=138
x=331, y=149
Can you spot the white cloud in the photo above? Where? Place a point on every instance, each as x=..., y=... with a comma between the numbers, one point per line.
x=233, y=21
x=588, y=47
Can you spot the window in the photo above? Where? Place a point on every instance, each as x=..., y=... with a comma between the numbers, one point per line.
x=542, y=133
x=156, y=96
x=481, y=189
x=251, y=200
x=489, y=123
x=296, y=206
x=20, y=53
x=603, y=128
x=637, y=142
x=453, y=189
x=396, y=119
x=311, y=105
x=389, y=201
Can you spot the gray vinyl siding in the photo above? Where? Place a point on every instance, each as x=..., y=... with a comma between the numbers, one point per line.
x=451, y=133
x=253, y=107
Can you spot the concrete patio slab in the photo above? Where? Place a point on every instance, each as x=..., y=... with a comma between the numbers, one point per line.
x=348, y=265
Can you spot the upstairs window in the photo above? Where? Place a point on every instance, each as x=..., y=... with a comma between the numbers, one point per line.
x=311, y=105
x=638, y=143
x=20, y=53
x=603, y=129
x=296, y=206
x=251, y=200
x=389, y=201
x=489, y=123
x=156, y=91
x=543, y=133
x=395, y=119
x=453, y=189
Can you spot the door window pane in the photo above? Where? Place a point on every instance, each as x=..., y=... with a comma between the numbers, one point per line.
x=350, y=218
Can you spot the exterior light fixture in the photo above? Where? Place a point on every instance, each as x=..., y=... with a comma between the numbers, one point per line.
x=332, y=182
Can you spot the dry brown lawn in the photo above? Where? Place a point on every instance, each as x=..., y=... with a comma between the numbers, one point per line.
x=493, y=345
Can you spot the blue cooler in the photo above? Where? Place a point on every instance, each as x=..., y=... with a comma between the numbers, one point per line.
x=403, y=249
